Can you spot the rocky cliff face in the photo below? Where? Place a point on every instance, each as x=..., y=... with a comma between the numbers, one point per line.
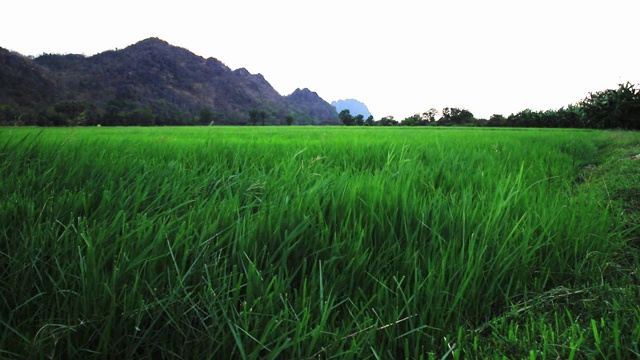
x=151, y=75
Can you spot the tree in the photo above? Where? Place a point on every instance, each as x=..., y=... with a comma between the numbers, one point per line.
x=456, y=116
x=206, y=116
x=571, y=117
x=430, y=116
x=613, y=108
x=263, y=117
x=497, y=120
x=139, y=117
x=254, y=116
x=345, y=118
x=525, y=118
x=50, y=117
x=289, y=119
x=70, y=111
x=8, y=115
x=414, y=120
x=116, y=112
x=359, y=120
x=388, y=121
x=369, y=121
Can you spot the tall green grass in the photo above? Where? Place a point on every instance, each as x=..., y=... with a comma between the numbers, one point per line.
x=304, y=243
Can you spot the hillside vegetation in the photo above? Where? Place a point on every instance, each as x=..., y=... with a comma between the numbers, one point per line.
x=148, y=83
x=306, y=243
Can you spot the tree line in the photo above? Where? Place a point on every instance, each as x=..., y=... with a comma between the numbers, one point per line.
x=608, y=109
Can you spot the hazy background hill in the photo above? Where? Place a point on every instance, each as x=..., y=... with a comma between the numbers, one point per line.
x=354, y=106
x=148, y=83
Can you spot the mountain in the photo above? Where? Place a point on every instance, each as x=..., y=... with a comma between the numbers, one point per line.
x=23, y=83
x=354, y=106
x=312, y=106
x=150, y=82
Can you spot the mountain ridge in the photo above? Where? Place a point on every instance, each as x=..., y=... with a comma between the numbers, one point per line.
x=166, y=84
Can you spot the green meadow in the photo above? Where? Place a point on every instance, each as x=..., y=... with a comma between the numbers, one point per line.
x=318, y=243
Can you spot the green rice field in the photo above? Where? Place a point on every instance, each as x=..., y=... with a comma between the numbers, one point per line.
x=318, y=243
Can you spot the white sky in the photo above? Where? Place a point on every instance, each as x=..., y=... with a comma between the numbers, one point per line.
x=398, y=57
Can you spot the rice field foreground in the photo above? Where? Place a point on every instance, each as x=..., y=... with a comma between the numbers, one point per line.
x=308, y=243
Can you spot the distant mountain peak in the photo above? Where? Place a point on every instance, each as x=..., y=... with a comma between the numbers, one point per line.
x=153, y=41
x=149, y=43
x=305, y=92
x=354, y=106
x=242, y=71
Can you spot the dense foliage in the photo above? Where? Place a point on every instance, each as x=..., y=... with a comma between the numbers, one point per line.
x=609, y=109
x=308, y=243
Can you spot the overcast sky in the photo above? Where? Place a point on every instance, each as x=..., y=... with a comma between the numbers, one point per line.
x=398, y=57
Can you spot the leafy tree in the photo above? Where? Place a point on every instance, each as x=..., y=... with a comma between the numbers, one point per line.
x=424, y=119
x=369, y=121
x=464, y=117
x=263, y=116
x=481, y=122
x=8, y=115
x=289, y=119
x=50, y=117
x=414, y=120
x=388, y=121
x=70, y=112
x=139, y=117
x=346, y=118
x=206, y=116
x=430, y=116
x=116, y=112
x=525, y=118
x=570, y=117
x=456, y=116
x=497, y=120
x=254, y=116
x=613, y=108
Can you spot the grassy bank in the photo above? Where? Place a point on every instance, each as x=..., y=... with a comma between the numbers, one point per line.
x=318, y=243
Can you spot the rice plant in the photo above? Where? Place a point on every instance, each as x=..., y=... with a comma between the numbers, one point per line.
x=301, y=243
